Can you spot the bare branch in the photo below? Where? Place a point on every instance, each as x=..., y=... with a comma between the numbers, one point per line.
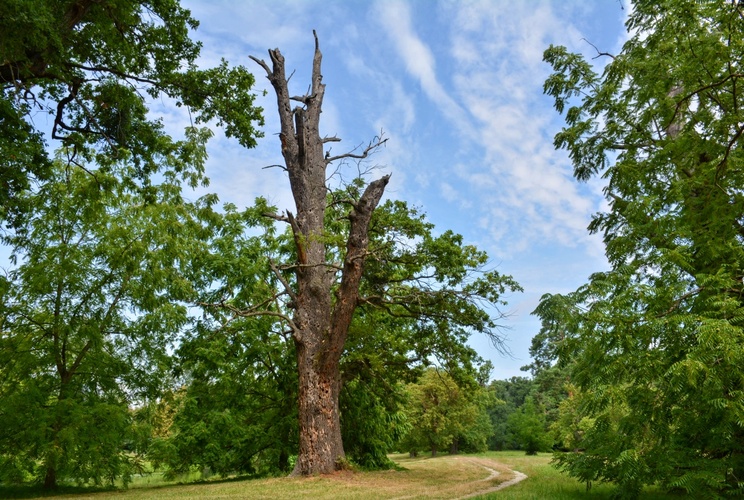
x=599, y=53
x=331, y=265
x=276, y=217
x=364, y=154
x=304, y=99
x=298, y=238
x=283, y=281
x=679, y=301
x=255, y=311
x=261, y=63
x=126, y=76
x=732, y=76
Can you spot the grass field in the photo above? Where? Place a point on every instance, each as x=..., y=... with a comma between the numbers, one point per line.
x=445, y=477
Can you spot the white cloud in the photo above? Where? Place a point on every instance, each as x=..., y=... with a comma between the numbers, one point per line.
x=526, y=187
x=395, y=20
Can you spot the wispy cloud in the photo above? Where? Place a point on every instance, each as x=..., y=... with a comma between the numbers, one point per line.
x=395, y=20
x=498, y=59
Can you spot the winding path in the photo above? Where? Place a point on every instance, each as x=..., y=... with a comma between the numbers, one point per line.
x=518, y=476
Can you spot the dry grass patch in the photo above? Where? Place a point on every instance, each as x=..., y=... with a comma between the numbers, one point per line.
x=443, y=477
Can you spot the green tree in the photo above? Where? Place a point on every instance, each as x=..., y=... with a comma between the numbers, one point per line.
x=372, y=420
x=529, y=427
x=390, y=339
x=507, y=397
x=238, y=410
x=656, y=344
x=88, y=64
x=88, y=315
x=374, y=367
x=571, y=425
x=102, y=229
x=441, y=412
x=551, y=375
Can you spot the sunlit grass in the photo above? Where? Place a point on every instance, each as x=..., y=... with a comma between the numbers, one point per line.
x=444, y=477
x=545, y=482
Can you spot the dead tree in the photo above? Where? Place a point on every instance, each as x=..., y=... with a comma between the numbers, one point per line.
x=319, y=321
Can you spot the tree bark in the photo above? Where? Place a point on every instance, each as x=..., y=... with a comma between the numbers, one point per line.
x=320, y=324
x=50, y=478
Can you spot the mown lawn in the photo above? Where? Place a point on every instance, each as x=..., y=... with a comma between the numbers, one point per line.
x=444, y=477
x=545, y=482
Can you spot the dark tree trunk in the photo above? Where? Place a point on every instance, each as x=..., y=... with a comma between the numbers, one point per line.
x=455, y=447
x=50, y=478
x=320, y=324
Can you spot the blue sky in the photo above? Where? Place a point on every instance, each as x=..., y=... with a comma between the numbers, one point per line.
x=456, y=86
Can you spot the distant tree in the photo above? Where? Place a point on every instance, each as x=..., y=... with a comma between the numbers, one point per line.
x=507, y=397
x=655, y=344
x=551, y=377
x=529, y=427
x=572, y=423
x=441, y=412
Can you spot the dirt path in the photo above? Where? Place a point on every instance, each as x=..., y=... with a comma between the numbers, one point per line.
x=518, y=476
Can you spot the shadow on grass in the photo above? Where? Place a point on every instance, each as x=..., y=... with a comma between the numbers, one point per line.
x=37, y=491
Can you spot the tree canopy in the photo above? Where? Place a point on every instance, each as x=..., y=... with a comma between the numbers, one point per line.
x=103, y=242
x=443, y=415
x=88, y=316
x=88, y=65
x=655, y=345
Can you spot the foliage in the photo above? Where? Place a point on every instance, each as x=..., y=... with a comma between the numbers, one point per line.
x=572, y=424
x=529, y=427
x=371, y=422
x=240, y=358
x=104, y=239
x=655, y=345
x=508, y=396
x=552, y=376
x=421, y=299
x=88, y=65
x=89, y=311
x=442, y=413
x=373, y=367
x=237, y=412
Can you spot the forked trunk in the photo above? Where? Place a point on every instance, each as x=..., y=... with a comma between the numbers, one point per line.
x=319, y=325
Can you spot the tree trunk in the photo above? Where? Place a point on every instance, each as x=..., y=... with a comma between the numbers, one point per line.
x=321, y=449
x=455, y=446
x=319, y=324
x=50, y=478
